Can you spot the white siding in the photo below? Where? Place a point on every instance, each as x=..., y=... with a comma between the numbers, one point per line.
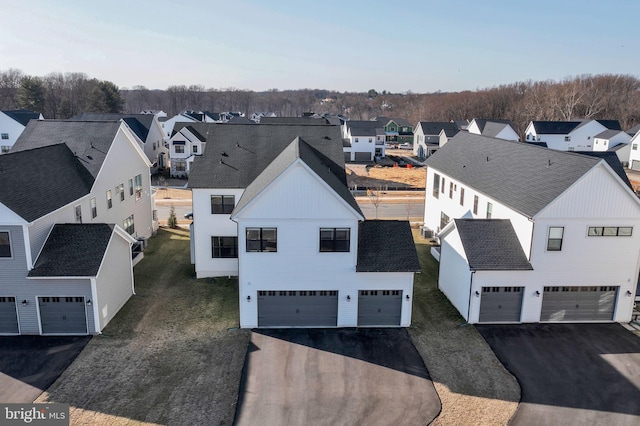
x=454, y=279
x=531, y=302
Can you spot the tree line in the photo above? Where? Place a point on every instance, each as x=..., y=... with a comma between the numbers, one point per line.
x=603, y=96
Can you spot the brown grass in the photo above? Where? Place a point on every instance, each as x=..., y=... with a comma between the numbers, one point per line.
x=379, y=177
x=173, y=193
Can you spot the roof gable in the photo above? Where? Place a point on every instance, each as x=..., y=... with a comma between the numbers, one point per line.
x=22, y=116
x=554, y=127
x=140, y=124
x=435, y=127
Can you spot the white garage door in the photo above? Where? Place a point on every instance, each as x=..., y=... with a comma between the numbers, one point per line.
x=63, y=315
x=303, y=308
x=8, y=315
x=588, y=303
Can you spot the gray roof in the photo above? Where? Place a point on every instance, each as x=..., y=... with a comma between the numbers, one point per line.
x=632, y=131
x=88, y=140
x=491, y=245
x=492, y=127
x=362, y=124
x=140, y=124
x=607, y=134
x=522, y=176
x=435, y=127
x=22, y=116
x=298, y=149
x=73, y=250
x=400, y=122
x=239, y=120
x=236, y=155
x=386, y=246
x=41, y=180
x=295, y=120
x=612, y=160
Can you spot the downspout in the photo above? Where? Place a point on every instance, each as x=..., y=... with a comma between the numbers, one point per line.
x=470, y=296
x=94, y=306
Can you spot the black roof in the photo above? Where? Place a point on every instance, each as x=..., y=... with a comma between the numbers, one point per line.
x=140, y=124
x=239, y=120
x=295, y=120
x=632, y=131
x=522, y=176
x=610, y=124
x=435, y=127
x=41, y=180
x=88, y=140
x=491, y=244
x=73, y=250
x=612, y=160
x=555, y=127
x=236, y=155
x=386, y=246
x=22, y=116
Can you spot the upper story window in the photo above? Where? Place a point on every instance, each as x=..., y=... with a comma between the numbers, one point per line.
x=194, y=149
x=120, y=190
x=222, y=204
x=461, y=196
x=4, y=149
x=224, y=247
x=130, y=187
x=109, y=199
x=5, y=244
x=444, y=219
x=554, y=240
x=450, y=189
x=129, y=225
x=443, y=185
x=5, y=136
x=179, y=149
x=78, y=212
x=436, y=185
x=475, y=204
x=489, y=210
x=610, y=231
x=94, y=208
x=634, y=146
x=138, y=187
x=567, y=138
x=335, y=239
x=262, y=239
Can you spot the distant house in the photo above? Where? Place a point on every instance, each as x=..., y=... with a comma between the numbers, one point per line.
x=365, y=140
x=500, y=129
x=398, y=131
x=12, y=123
x=257, y=116
x=271, y=206
x=575, y=135
x=168, y=124
x=426, y=139
x=551, y=237
x=75, y=208
x=615, y=141
x=184, y=146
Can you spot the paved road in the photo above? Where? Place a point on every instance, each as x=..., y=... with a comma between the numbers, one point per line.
x=180, y=209
x=30, y=364
x=571, y=374
x=335, y=377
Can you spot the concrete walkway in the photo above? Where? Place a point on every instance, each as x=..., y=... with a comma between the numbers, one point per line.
x=335, y=377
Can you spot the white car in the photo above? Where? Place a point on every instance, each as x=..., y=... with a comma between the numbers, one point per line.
x=405, y=145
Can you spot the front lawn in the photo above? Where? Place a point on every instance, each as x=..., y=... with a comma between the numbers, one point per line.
x=172, y=355
x=473, y=385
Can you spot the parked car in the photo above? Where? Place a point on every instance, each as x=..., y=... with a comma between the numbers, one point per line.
x=405, y=145
x=188, y=215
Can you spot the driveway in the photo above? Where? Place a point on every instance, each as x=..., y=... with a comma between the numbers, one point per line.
x=30, y=364
x=335, y=377
x=571, y=373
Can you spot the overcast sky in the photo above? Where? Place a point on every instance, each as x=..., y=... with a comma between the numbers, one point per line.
x=346, y=45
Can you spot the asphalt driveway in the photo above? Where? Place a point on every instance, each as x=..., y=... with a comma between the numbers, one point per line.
x=30, y=364
x=571, y=373
x=335, y=377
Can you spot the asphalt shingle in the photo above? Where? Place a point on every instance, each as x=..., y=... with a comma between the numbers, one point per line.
x=386, y=246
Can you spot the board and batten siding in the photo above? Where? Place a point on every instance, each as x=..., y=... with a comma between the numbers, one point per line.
x=114, y=283
x=454, y=279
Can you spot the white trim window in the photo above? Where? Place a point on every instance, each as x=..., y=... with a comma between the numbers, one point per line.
x=5, y=245
x=555, y=237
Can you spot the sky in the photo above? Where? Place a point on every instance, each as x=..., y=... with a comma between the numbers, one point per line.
x=348, y=45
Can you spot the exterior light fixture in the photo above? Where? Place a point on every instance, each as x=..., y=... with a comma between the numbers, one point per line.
x=89, y=302
x=408, y=297
x=477, y=293
x=25, y=302
x=629, y=293
x=348, y=298
x=248, y=298
x=537, y=293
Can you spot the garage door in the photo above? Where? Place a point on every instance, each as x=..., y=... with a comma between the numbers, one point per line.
x=307, y=308
x=8, y=315
x=347, y=157
x=379, y=307
x=362, y=156
x=635, y=164
x=500, y=304
x=63, y=315
x=593, y=303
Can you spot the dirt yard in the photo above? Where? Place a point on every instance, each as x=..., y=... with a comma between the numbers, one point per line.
x=381, y=177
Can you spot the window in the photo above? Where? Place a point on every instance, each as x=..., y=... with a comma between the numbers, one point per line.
x=444, y=219
x=5, y=244
x=610, y=231
x=554, y=242
x=138, y=187
x=262, y=239
x=195, y=149
x=461, y=196
x=4, y=149
x=5, y=136
x=528, y=136
x=450, y=189
x=129, y=225
x=436, y=185
x=634, y=146
x=180, y=166
x=78, y=211
x=130, y=187
x=489, y=210
x=109, y=199
x=224, y=247
x=154, y=146
x=94, y=208
x=475, y=204
x=443, y=185
x=222, y=204
x=567, y=138
x=120, y=190
x=179, y=149
x=335, y=239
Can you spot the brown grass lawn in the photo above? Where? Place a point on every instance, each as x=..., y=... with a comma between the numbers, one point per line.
x=172, y=355
x=379, y=177
x=474, y=387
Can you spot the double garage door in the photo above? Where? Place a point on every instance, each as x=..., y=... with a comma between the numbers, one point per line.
x=63, y=315
x=310, y=308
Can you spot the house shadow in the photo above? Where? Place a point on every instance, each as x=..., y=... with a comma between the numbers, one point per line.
x=582, y=366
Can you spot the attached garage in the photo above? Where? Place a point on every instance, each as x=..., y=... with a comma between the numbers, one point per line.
x=62, y=315
x=588, y=303
x=635, y=164
x=379, y=308
x=8, y=315
x=362, y=156
x=500, y=304
x=304, y=308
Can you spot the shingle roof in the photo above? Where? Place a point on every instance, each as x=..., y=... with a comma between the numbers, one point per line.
x=491, y=127
x=555, y=127
x=612, y=160
x=632, y=131
x=295, y=120
x=607, y=134
x=73, y=250
x=22, y=116
x=610, y=124
x=298, y=149
x=435, y=127
x=89, y=140
x=386, y=246
x=362, y=124
x=39, y=181
x=400, y=122
x=520, y=175
x=236, y=155
x=140, y=124
x=239, y=120
x=491, y=244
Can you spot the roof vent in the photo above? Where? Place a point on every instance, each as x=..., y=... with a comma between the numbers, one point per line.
x=327, y=138
x=549, y=164
x=224, y=154
x=487, y=159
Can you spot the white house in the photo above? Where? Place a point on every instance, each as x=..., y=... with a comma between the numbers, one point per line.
x=427, y=136
x=184, y=146
x=500, y=129
x=539, y=235
x=575, y=135
x=366, y=140
x=12, y=123
x=75, y=207
x=271, y=206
